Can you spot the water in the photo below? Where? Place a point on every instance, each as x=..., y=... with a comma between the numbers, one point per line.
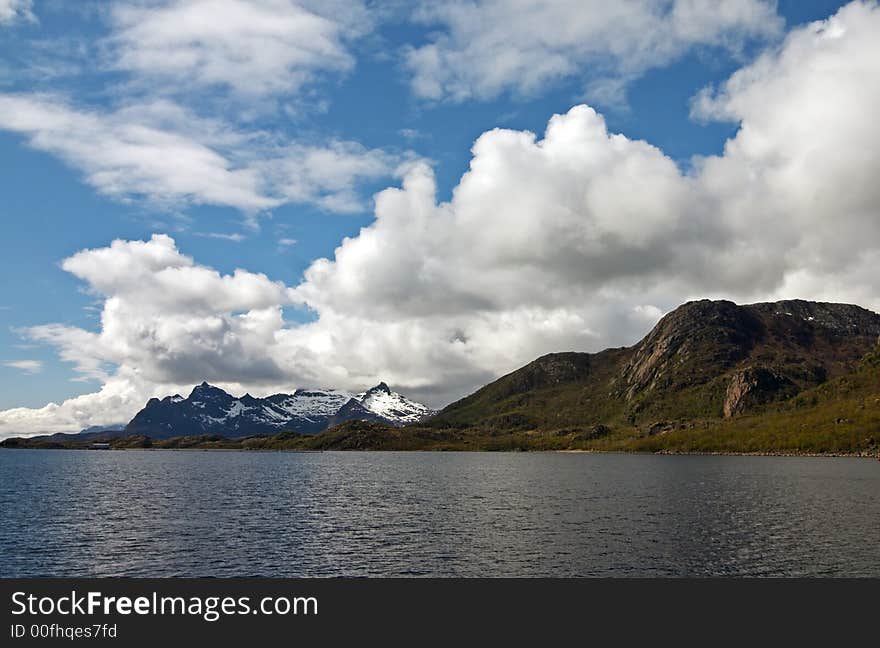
x=163, y=513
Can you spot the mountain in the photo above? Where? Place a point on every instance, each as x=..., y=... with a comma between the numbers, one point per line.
x=381, y=405
x=91, y=433
x=704, y=361
x=209, y=410
x=101, y=429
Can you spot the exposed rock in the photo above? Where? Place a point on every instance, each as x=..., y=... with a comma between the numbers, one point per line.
x=754, y=386
x=689, y=344
x=595, y=432
x=659, y=428
x=701, y=339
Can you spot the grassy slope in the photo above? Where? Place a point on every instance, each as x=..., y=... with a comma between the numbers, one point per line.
x=556, y=391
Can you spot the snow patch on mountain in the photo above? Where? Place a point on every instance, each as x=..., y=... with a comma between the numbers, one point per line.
x=310, y=403
x=392, y=406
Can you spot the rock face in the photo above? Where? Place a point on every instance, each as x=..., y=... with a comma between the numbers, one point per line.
x=755, y=386
x=690, y=344
x=704, y=360
x=764, y=352
x=210, y=410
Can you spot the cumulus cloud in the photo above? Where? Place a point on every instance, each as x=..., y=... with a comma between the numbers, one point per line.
x=576, y=239
x=15, y=10
x=801, y=172
x=169, y=155
x=484, y=48
x=112, y=404
x=253, y=47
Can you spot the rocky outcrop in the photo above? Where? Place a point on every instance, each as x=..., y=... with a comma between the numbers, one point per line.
x=806, y=342
x=690, y=345
x=830, y=319
x=754, y=386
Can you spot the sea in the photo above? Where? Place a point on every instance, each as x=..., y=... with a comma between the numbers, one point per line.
x=435, y=514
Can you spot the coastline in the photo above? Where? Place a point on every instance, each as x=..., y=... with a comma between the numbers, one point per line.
x=703, y=453
x=708, y=453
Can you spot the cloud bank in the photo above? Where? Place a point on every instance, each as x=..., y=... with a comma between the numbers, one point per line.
x=578, y=239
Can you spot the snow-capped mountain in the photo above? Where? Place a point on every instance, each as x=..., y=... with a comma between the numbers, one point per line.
x=382, y=405
x=210, y=410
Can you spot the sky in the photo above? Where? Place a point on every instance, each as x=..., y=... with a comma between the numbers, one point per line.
x=276, y=194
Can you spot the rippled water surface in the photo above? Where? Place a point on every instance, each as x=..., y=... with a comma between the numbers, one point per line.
x=165, y=513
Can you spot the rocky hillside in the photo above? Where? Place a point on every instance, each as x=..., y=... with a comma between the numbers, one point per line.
x=705, y=360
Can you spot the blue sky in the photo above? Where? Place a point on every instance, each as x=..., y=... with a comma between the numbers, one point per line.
x=359, y=90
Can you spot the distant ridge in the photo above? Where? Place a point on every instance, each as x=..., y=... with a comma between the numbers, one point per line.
x=209, y=410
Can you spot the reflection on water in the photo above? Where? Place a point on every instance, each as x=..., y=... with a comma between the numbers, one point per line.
x=161, y=513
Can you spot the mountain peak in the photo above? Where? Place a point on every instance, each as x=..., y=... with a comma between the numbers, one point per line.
x=381, y=387
x=206, y=390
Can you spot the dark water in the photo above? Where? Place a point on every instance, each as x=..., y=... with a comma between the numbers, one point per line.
x=142, y=513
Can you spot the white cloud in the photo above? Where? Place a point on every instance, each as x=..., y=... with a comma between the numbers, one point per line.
x=253, y=47
x=170, y=156
x=801, y=172
x=181, y=61
x=27, y=366
x=326, y=175
x=14, y=10
x=484, y=48
x=113, y=403
x=578, y=239
x=126, y=153
x=235, y=237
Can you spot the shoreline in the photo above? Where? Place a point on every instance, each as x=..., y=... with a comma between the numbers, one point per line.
x=714, y=453
x=700, y=453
